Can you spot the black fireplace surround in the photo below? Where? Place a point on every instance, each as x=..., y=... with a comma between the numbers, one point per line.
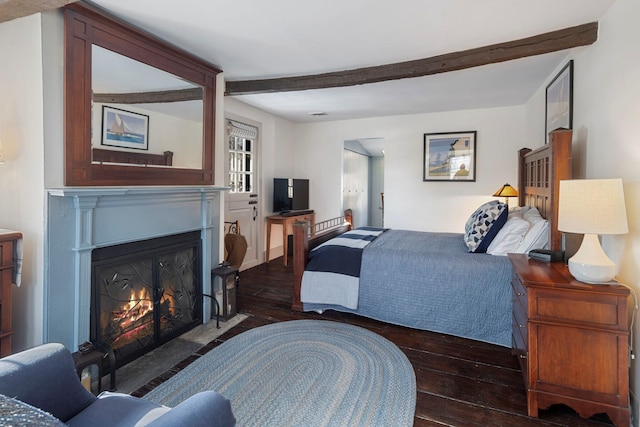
x=145, y=293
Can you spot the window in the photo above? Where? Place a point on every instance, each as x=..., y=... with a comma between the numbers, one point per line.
x=242, y=139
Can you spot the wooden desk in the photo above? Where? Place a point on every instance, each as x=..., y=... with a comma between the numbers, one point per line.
x=287, y=229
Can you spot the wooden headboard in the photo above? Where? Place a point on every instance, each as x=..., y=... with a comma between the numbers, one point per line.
x=132, y=157
x=539, y=174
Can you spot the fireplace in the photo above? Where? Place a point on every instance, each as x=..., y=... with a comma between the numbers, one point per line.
x=145, y=293
x=96, y=224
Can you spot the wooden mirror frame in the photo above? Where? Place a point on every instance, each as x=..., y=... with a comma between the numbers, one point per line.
x=88, y=25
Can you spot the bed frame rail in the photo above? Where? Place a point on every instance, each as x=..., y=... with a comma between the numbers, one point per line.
x=305, y=238
x=130, y=157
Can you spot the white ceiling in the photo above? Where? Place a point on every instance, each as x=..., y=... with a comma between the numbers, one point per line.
x=255, y=39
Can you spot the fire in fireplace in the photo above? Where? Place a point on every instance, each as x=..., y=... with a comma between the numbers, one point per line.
x=145, y=293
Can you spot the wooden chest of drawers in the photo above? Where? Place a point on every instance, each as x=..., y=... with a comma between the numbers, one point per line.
x=572, y=340
x=7, y=243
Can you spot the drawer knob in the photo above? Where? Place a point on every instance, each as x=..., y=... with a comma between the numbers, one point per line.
x=522, y=356
x=519, y=294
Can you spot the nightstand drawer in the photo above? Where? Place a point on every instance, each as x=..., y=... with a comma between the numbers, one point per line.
x=519, y=293
x=519, y=349
x=576, y=307
x=520, y=323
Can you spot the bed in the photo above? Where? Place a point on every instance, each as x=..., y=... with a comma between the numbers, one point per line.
x=431, y=281
x=101, y=155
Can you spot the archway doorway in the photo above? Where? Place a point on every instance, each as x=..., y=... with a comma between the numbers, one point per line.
x=363, y=180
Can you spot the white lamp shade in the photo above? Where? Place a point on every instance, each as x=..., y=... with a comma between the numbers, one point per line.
x=592, y=206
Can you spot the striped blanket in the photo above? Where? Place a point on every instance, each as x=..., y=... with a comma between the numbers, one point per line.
x=332, y=275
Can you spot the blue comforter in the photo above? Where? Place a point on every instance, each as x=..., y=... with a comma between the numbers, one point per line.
x=332, y=274
x=430, y=281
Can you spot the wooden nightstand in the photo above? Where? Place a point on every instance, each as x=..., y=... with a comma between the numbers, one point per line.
x=571, y=339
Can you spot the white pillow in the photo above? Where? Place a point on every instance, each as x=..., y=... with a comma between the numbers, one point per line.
x=531, y=213
x=509, y=237
x=519, y=211
x=537, y=236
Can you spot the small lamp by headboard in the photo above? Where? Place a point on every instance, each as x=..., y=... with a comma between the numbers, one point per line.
x=506, y=191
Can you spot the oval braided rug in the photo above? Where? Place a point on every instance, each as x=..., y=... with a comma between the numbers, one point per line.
x=303, y=373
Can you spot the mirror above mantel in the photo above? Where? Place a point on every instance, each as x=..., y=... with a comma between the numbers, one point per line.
x=138, y=111
x=169, y=110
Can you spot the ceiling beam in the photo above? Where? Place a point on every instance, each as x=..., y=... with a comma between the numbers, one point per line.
x=554, y=41
x=150, y=97
x=12, y=9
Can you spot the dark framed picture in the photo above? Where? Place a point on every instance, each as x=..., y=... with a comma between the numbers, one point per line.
x=559, y=101
x=121, y=128
x=449, y=156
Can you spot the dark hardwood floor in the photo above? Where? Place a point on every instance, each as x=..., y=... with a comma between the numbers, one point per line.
x=459, y=382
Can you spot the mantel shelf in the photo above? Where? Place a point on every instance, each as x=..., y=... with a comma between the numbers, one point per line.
x=121, y=191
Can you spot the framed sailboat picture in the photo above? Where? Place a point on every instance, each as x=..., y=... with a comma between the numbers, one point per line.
x=124, y=129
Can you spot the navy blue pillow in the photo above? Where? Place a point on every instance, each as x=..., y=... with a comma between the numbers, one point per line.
x=483, y=225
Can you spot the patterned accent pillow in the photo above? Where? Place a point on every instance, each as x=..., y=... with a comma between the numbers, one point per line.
x=14, y=412
x=483, y=225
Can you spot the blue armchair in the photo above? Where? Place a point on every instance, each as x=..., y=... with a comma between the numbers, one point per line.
x=45, y=378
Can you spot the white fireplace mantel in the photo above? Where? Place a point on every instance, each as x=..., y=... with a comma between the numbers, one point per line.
x=82, y=219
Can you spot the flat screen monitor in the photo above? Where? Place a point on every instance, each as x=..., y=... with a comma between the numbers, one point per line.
x=290, y=194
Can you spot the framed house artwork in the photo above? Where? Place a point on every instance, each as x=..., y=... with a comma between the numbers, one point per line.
x=125, y=129
x=449, y=156
x=559, y=101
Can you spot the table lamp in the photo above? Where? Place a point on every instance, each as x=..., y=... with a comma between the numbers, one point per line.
x=592, y=207
x=506, y=191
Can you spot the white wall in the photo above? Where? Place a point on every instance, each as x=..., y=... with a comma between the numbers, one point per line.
x=411, y=203
x=606, y=140
x=22, y=177
x=53, y=76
